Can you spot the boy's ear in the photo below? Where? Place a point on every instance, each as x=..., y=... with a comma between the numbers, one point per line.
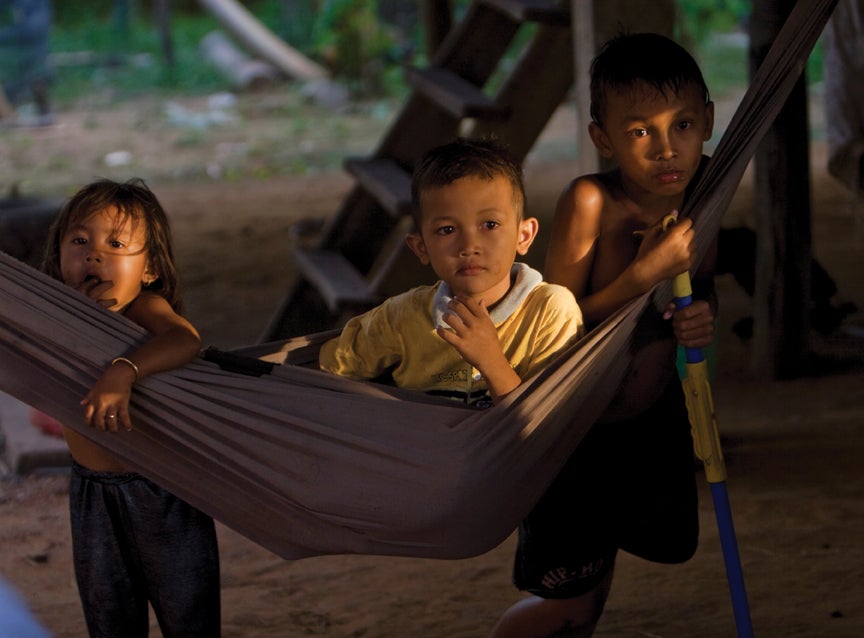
x=528, y=228
x=415, y=242
x=600, y=140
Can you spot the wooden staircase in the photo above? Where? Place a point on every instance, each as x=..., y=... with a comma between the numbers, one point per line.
x=360, y=257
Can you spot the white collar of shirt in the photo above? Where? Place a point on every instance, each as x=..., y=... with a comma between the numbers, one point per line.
x=524, y=278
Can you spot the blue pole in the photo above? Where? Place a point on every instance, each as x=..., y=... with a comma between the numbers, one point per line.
x=707, y=445
x=729, y=546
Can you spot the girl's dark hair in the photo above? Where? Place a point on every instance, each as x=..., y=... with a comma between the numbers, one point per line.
x=486, y=158
x=651, y=58
x=135, y=204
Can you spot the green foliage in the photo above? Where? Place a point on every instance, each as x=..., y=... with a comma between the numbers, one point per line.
x=698, y=19
x=724, y=62
x=708, y=28
x=291, y=20
x=353, y=43
x=112, y=48
x=105, y=53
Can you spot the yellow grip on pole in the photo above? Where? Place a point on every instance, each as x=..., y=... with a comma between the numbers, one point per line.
x=703, y=424
x=681, y=286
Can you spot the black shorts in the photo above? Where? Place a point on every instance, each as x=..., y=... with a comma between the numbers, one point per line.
x=629, y=485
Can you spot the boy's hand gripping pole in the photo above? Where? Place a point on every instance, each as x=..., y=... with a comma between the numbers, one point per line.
x=706, y=444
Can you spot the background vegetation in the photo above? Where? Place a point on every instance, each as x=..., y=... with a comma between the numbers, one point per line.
x=113, y=80
x=113, y=48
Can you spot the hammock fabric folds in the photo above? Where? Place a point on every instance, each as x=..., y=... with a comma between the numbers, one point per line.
x=301, y=461
x=305, y=463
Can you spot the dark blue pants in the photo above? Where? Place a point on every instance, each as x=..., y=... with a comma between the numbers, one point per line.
x=135, y=543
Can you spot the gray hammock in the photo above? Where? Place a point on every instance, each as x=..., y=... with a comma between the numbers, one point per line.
x=305, y=463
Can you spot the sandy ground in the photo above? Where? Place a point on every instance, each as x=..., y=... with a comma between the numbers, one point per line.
x=793, y=452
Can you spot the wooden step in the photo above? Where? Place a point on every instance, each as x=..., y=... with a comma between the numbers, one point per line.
x=455, y=94
x=335, y=278
x=542, y=11
x=386, y=181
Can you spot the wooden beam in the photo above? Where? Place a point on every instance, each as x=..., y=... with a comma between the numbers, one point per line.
x=782, y=191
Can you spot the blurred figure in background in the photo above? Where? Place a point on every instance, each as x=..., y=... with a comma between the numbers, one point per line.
x=25, y=73
x=843, y=63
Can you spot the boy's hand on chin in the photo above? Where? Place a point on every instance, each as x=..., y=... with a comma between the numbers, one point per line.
x=471, y=331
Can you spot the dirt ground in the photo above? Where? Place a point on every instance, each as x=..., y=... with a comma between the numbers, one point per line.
x=793, y=451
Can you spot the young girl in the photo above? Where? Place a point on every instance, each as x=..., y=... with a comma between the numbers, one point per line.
x=132, y=541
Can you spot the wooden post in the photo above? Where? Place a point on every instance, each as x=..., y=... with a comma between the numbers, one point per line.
x=585, y=45
x=781, y=301
x=437, y=21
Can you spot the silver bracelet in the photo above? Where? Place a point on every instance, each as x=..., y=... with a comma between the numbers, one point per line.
x=128, y=362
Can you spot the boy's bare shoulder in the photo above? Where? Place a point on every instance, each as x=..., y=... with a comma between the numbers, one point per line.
x=590, y=186
x=588, y=202
x=595, y=191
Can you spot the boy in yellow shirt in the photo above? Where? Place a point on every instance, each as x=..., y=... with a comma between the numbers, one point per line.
x=490, y=322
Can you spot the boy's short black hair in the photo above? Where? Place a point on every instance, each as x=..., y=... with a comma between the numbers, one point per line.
x=486, y=158
x=652, y=58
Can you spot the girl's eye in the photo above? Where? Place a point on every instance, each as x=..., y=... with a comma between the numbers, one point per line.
x=445, y=230
x=79, y=241
x=639, y=132
x=116, y=243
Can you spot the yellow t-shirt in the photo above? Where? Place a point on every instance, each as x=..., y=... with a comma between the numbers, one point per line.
x=535, y=320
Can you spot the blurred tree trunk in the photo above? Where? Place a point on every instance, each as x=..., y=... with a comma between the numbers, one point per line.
x=162, y=13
